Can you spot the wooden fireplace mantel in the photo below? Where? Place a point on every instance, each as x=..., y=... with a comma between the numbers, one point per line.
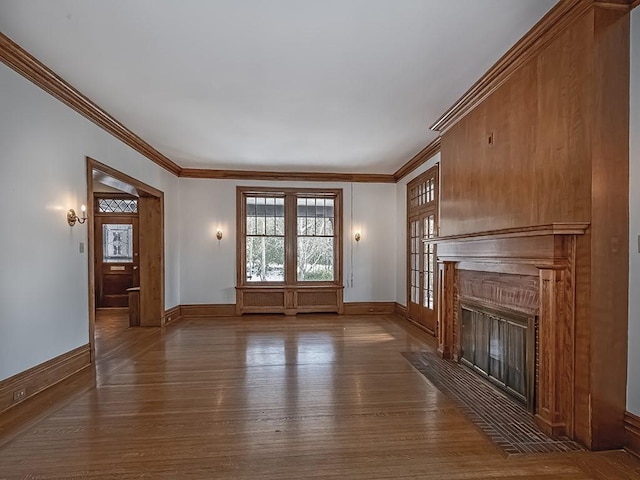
x=564, y=228
x=495, y=265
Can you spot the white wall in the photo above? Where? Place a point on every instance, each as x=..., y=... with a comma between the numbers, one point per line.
x=43, y=276
x=208, y=267
x=401, y=228
x=633, y=375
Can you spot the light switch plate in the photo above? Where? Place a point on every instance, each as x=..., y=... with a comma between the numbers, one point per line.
x=81, y=247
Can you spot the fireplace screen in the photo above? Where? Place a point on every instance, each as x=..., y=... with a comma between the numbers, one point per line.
x=501, y=347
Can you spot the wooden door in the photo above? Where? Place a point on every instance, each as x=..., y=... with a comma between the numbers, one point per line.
x=422, y=224
x=117, y=259
x=422, y=257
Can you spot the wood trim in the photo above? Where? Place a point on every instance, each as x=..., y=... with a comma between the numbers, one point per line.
x=287, y=176
x=40, y=377
x=401, y=311
x=142, y=187
x=567, y=228
x=151, y=260
x=369, y=308
x=144, y=190
x=173, y=314
x=15, y=57
x=632, y=430
x=635, y=4
x=421, y=157
x=419, y=213
x=208, y=310
x=623, y=5
x=526, y=49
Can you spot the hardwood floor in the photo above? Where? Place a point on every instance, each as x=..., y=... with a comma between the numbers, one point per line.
x=265, y=397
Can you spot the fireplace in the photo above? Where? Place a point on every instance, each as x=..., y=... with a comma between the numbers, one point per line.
x=506, y=308
x=500, y=346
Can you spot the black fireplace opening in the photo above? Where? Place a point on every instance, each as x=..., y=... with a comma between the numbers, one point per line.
x=500, y=345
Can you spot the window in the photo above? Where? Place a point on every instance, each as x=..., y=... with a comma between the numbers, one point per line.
x=117, y=243
x=289, y=236
x=117, y=205
x=315, y=246
x=264, y=245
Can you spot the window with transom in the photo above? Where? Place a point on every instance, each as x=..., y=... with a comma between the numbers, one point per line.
x=289, y=236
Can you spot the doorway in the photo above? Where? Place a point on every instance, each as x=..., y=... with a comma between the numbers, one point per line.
x=126, y=246
x=116, y=249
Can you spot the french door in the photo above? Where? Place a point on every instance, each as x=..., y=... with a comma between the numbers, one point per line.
x=422, y=203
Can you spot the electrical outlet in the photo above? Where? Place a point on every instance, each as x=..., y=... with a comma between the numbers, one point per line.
x=19, y=395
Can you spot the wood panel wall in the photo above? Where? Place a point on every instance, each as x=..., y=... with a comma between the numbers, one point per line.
x=151, y=240
x=537, y=169
x=551, y=145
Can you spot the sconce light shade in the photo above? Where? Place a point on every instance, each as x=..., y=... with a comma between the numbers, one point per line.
x=219, y=235
x=357, y=236
x=72, y=217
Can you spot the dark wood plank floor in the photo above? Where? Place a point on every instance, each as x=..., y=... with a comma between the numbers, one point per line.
x=264, y=397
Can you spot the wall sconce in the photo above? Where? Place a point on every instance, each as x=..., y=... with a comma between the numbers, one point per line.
x=72, y=218
x=219, y=235
x=357, y=236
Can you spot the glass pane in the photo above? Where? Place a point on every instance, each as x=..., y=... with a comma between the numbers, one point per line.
x=315, y=216
x=117, y=243
x=251, y=225
x=497, y=344
x=468, y=344
x=265, y=259
x=482, y=341
x=117, y=205
x=517, y=358
x=315, y=259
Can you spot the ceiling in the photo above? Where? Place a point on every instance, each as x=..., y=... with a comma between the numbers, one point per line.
x=346, y=86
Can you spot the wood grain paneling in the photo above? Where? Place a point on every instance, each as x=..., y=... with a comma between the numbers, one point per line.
x=290, y=299
x=609, y=226
x=538, y=149
x=32, y=69
x=517, y=292
x=369, y=308
x=40, y=377
x=632, y=429
x=151, y=238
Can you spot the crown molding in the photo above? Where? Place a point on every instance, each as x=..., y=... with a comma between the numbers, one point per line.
x=286, y=176
x=15, y=57
x=421, y=157
x=528, y=47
